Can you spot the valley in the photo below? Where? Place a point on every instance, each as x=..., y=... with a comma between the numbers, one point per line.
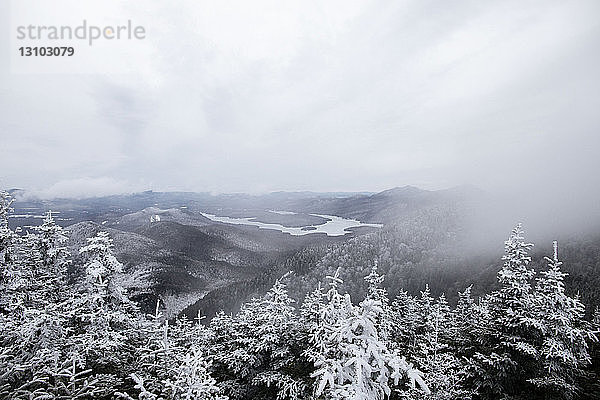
x=176, y=252
x=202, y=253
x=207, y=266
x=182, y=248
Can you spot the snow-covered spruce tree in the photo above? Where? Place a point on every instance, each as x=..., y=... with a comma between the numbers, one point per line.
x=47, y=291
x=257, y=353
x=564, y=350
x=409, y=318
x=156, y=360
x=40, y=263
x=19, y=280
x=6, y=234
x=191, y=379
x=376, y=292
x=42, y=359
x=422, y=329
x=17, y=263
x=22, y=319
x=104, y=323
x=13, y=371
x=311, y=309
x=36, y=273
x=332, y=308
x=173, y=363
x=351, y=361
x=444, y=371
x=463, y=320
x=10, y=273
x=515, y=279
x=54, y=257
x=101, y=270
x=33, y=331
x=405, y=321
x=507, y=356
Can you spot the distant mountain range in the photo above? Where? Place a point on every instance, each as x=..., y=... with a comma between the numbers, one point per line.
x=368, y=207
x=173, y=252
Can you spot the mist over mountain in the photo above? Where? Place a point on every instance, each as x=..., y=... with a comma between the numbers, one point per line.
x=178, y=257
x=448, y=239
x=291, y=200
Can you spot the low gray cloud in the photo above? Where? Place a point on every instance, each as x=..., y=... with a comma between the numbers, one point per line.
x=261, y=96
x=85, y=187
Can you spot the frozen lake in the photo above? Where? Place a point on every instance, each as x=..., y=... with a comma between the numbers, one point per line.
x=334, y=226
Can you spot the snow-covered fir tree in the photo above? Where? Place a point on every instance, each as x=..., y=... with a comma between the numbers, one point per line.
x=464, y=319
x=52, y=247
x=350, y=359
x=105, y=324
x=59, y=339
x=49, y=261
x=257, y=353
x=514, y=297
x=10, y=274
x=423, y=331
x=377, y=293
x=405, y=321
x=101, y=270
x=508, y=355
x=565, y=333
x=6, y=234
x=191, y=379
x=156, y=359
x=35, y=336
x=173, y=363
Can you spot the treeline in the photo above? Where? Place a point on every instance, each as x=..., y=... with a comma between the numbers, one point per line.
x=86, y=339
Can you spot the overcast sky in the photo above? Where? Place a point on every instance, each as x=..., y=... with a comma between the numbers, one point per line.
x=259, y=96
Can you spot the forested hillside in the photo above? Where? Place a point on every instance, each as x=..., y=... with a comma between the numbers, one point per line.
x=429, y=244
x=83, y=337
x=433, y=247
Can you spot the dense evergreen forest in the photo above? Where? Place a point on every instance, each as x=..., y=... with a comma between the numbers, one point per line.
x=66, y=335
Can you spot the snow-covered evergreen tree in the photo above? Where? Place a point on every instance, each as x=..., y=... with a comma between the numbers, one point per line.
x=463, y=320
x=564, y=349
x=6, y=234
x=173, y=363
x=376, y=292
x=105, y=325
x=191, y=379
x=102, y=269
x=40, y=352
x=156, y=360
x=258, y=352
x=508, y=354
x=44, y=260
x=423, y=330
x=514, y=297
x=405, y=320
x=52, y=247
x=10, y=274
x=445, y=373
x=351, y=361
